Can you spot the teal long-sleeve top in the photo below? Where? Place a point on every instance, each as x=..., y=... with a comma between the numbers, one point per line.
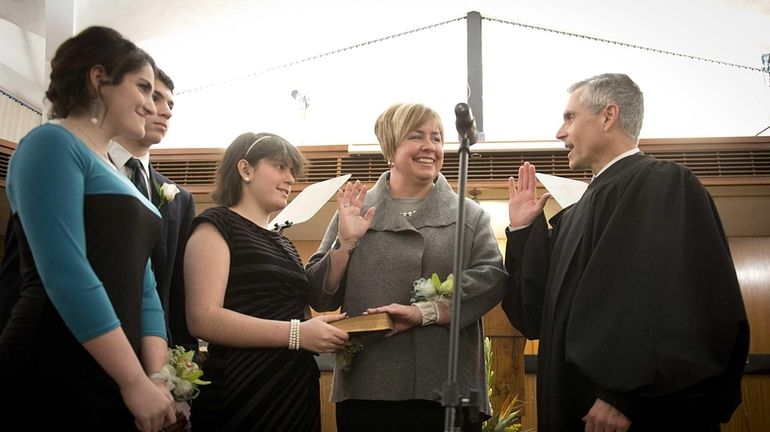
x=50, y=176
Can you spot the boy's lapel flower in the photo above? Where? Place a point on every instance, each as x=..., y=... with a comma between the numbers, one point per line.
x=167, y=193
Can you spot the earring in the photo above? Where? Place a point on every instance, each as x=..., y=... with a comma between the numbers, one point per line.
x=246, y=179
x=95, y=111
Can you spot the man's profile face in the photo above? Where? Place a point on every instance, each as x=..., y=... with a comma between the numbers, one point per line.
x=156, y=125
x=581, y=132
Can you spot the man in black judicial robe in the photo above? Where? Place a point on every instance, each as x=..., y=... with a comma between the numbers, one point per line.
x=632, y=293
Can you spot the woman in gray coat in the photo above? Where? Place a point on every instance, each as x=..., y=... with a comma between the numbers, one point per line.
x=377, y=245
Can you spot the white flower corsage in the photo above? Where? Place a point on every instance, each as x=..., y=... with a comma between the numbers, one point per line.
x=182, y=375
x=433, y=289
x=429, y=295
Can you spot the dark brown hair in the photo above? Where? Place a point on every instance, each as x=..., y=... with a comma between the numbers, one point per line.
x=165, y=79
x=69, y=91
x=253, y=148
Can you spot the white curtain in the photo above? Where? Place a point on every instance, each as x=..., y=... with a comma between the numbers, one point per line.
x=16, y=118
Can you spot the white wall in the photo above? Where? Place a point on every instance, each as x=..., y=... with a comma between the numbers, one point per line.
x=22, y=63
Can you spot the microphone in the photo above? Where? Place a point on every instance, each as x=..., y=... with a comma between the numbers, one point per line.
x=465, y=124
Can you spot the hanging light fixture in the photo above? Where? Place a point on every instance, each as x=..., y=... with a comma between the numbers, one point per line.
x=302, y=100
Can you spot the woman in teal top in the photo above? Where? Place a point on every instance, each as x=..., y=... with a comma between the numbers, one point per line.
x=87, y=331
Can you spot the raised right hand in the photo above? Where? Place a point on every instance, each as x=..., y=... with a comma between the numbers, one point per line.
x=352, y=224
x=151, y=407
x=523, y=205
x=319, y=336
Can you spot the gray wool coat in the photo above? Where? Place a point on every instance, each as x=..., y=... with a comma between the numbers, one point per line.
x=394, y=253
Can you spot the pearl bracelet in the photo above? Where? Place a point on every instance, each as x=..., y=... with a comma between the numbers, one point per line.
x=294, y=335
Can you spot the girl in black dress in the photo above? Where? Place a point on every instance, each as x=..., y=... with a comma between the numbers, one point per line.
x=247, y=295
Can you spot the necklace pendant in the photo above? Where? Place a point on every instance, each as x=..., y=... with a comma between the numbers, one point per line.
x=408, y=213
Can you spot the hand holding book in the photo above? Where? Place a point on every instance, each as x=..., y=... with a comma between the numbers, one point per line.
x=360, y=324
x=365, y=323
x=404, y=316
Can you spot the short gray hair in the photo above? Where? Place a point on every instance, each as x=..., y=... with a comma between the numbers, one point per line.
x=602, y=90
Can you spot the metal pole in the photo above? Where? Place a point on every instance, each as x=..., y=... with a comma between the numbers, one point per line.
x=475, y=70
x=450, y=394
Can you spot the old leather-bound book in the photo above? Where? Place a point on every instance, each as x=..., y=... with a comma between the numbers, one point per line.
x=365, y=323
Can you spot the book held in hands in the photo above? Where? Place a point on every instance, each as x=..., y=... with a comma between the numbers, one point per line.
x=365, y=323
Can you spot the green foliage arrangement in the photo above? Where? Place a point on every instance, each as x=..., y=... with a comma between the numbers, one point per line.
x=509, y=417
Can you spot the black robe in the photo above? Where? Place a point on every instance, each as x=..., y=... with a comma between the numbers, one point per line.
x=635, y=300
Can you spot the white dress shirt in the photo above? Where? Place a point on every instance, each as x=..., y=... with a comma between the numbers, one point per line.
x=119, y=156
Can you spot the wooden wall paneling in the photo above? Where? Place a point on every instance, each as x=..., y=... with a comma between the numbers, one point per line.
x=503, y=358
x=507, y=355
x=751, y=256
x=497, y=324
x=531, y=347
x=328, y=410
x=508, y=368
x=529, y=421
x=753, y=415
x=739, y=213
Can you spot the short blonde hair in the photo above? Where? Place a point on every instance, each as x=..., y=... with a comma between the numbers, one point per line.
x=398, y=120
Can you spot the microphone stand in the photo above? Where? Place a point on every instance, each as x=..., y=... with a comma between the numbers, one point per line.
x=454, y=403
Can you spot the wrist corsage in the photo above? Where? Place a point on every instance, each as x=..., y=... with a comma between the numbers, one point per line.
x=433, y=289
x=182, y=374
x=429, y=295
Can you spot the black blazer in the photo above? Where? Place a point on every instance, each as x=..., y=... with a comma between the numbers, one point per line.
x=10, y=276
x=168, y=258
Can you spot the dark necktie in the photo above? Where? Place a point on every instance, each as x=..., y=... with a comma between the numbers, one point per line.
x=137, y=176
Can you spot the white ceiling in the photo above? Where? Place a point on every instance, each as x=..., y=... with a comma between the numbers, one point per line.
x=220, y=54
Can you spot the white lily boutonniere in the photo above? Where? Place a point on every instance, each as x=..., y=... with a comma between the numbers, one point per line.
x=167, y=193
